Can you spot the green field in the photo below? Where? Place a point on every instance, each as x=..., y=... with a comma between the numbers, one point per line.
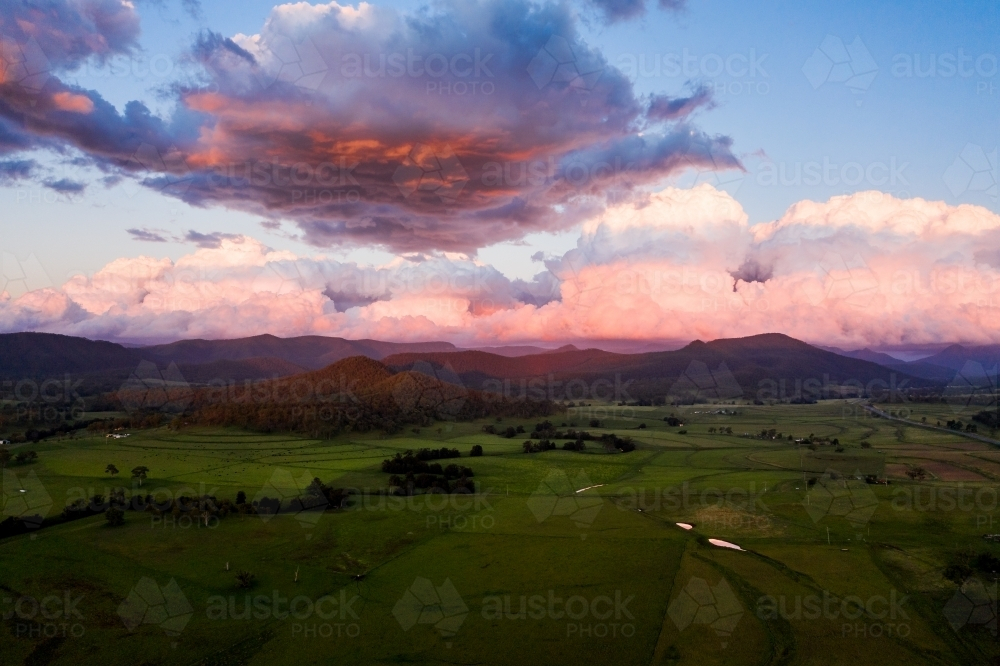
x=833, y=570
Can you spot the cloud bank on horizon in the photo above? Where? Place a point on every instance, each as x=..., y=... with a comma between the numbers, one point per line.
x=859, y=270
x=345, y=122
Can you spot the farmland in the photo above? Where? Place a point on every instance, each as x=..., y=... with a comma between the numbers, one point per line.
x=574, y=556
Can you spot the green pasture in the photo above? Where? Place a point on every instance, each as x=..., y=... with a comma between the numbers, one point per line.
x=832, y=570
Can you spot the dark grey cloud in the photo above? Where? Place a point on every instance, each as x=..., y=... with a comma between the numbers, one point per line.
x=620, y=10
x=662, y=107
x=11, y=170
x=751, y=270
x=345, y=300
x=147, y=235
x=65, y=186
x=614, y=11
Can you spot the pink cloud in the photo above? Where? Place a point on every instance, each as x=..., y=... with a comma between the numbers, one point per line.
x=859, y=270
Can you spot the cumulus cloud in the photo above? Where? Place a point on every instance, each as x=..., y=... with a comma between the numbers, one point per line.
x=68, y=32
x=447, y=129
x=11, y=170
x=860, y=270
x=65, y=186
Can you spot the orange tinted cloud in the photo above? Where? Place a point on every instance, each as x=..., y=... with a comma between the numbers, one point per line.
x=66, y=101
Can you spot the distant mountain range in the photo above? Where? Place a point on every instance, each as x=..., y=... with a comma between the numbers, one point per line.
x=104, y=365
x=942, y=366
x=522, y=350
x=757, y=366
x=770, y=366
x=310, y=352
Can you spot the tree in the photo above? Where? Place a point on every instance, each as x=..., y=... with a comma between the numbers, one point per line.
x=244, y=579
x=115, y=516
x=477, y=451
x=140, y=473
x=4, y=458
x=241, y=497
x=112, y=470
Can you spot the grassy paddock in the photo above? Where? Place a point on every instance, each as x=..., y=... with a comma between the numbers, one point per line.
x=833, y=570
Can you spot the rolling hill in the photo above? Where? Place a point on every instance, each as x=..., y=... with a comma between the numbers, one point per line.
x=44, y=355
x=356, y=393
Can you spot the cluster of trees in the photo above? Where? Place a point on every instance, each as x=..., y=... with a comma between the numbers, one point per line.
x=199, y=509
x=452, y=479
x=22, y=458
x=317, y=497
x=411, y=461
x=411, y=471
x=137, y=422
x=204, y=508
x=968, y=562
x=988, y=419
x=537, y=447
x=673, y=421
x=140, y=472
x=510, y=432
x=610, y=441
x=963, y=427
x=722, y=431
x=546, y=430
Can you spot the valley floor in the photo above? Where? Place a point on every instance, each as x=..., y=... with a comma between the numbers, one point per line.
x=561, y=557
